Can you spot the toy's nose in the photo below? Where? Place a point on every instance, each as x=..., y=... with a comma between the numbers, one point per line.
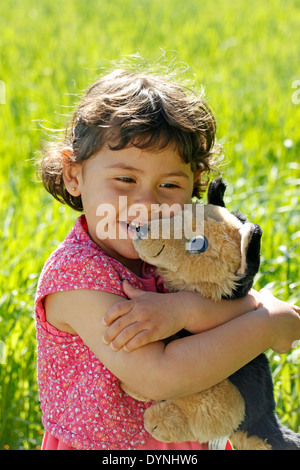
x=142, y=231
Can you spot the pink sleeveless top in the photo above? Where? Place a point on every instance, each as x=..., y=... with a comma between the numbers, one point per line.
x=82, y=404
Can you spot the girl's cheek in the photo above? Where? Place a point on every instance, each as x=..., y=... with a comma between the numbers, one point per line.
x=106, y=227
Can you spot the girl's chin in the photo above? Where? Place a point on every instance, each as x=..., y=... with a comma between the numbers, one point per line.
x=129, y=252
x=120, y=248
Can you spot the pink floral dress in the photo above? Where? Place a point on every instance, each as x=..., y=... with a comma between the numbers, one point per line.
x=83, y=406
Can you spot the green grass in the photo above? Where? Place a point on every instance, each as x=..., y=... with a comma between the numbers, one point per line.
x=246, y=55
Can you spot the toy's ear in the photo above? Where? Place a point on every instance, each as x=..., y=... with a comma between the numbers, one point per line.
x=250, y=248
x=215, y=192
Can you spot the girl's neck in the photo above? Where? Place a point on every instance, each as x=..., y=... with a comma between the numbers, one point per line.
x=134, y=265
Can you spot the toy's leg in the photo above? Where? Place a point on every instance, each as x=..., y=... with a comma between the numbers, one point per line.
x=166, y=422
x=267, y=433
x=203, y=416
x=242, y=441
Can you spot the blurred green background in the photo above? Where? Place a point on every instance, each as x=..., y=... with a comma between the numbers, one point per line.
x=245, y=54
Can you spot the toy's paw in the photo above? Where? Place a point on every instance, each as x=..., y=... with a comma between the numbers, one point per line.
x=167, y=423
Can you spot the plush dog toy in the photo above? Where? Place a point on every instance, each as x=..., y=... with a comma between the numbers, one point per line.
x=219, y=260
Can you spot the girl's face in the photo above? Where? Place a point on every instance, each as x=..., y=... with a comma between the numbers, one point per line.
x=142, y=178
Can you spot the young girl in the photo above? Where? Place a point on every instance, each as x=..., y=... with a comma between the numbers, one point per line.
x=98, y=306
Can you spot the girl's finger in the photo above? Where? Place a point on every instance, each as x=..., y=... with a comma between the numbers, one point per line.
x=118, y=326
x=130, y=291
x=141, y=339
x=117, y=310
x=126, y=336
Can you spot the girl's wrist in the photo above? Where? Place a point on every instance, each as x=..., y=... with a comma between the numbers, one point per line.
x=202, y=314
x=283, y=322
x=190, y=309
x=180, y=306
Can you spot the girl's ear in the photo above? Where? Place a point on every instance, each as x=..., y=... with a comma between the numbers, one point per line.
x=197, y=176
x=71, y=172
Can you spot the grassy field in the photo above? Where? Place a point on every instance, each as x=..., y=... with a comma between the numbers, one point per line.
x=245, y=54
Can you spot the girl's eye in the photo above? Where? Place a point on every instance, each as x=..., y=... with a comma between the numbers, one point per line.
x=169, y=185
x=125, y=179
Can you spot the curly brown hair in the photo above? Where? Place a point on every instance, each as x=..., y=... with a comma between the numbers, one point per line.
x=125, y=108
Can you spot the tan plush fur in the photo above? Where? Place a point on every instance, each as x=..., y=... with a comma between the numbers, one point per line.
x=242, y=441
x=212, y=274
x=198, y=417
x=218, y=411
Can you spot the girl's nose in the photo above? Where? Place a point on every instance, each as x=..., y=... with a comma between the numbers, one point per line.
x=146, y=201
x=146, y=198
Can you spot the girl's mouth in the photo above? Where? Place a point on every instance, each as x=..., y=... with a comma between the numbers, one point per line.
x=131, y=228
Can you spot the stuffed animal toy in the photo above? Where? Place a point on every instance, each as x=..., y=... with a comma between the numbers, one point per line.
x=219, y=261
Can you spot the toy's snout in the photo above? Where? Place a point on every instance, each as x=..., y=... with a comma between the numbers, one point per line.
x=142, y=231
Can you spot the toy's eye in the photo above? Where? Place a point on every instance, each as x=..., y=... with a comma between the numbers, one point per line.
x=197, y=244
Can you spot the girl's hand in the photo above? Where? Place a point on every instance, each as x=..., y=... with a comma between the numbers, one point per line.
x=285, y=322
x=150, y=316
x=145, y=318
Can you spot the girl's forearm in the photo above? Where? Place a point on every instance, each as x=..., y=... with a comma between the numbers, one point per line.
x=184, y=366
x=198, y=362
x=202, y=314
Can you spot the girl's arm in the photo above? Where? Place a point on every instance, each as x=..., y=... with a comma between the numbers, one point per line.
x=151, y=316
x=183, y=366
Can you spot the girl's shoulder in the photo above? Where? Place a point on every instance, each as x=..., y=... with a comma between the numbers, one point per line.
x=77, y=252
x=78, y=263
